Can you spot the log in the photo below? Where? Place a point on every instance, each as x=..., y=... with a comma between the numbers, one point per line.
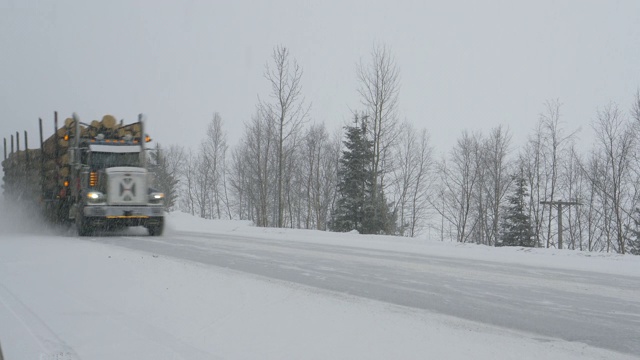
x=50, y=165
x=51, y=174
x=49, y=146
x=94, y=130
x=133, y=129
x=109, y=122
x=64, y=159
x=21, y=156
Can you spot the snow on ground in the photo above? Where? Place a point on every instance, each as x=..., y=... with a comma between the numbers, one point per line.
x=609, y=263
x=67, y=297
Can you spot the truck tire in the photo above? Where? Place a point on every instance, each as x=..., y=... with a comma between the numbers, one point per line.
x=82, y=227
x=156, y=229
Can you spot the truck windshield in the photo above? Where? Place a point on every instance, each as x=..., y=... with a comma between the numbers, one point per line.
x=102, y=160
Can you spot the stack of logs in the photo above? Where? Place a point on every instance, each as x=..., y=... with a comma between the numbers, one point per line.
x=21, y=174
x=22, y=168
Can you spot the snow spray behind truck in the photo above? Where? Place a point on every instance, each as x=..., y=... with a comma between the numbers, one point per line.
x=94, y=175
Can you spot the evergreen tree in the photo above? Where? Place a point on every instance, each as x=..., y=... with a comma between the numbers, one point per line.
x=516, y=224
x=357, y=208
x=354, y=180
x=378, y=218
x=165, y=180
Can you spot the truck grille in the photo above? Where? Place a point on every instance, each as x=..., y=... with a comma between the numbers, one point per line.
x=127, y=188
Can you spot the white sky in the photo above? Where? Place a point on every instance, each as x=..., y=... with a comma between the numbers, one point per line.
x=464, y=64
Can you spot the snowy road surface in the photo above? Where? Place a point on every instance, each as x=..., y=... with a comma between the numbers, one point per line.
x=225, y=290
x=602, y=310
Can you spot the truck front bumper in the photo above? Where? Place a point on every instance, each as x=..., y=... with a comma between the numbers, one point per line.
x=110, y=216
x=122, y=212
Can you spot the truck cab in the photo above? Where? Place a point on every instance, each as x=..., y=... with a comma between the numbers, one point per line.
x=112, y=186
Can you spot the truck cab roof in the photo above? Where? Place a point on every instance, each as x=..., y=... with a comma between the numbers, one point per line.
x=115, y=148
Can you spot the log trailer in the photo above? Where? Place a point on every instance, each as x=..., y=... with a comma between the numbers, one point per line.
x=94, y=175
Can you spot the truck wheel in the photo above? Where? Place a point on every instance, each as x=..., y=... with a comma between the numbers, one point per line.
x=156, y=229
x=82, y=227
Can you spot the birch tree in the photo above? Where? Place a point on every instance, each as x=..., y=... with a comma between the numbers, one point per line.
x=379, y=87
x=214, y=152
x=496, y=179
x=531, y=160
x=287, y=110
x=257, y=157
x=616, y=138
x=558, y=150
x=458, y=181
x=188, y=203
x=319, y=159
x=412, y=179
x=541, y=159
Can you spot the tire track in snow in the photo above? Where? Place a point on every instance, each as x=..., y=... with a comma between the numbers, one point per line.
x=51, y=345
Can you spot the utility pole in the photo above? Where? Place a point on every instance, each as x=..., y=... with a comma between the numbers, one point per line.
x=560, y=204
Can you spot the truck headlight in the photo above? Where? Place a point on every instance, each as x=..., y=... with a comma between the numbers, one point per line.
x=156, y=198
x=95, y=197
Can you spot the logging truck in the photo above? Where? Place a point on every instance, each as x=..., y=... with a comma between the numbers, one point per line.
x=91, y=174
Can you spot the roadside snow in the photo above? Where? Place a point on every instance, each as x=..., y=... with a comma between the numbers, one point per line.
x=67, y=297
x=609, y=263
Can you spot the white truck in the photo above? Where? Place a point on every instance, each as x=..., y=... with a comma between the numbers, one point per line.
x=93, y=174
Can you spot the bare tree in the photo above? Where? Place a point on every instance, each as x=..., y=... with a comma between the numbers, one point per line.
x=411, y=179
x=214, y=151
x=594, y=209
x=541, y=160
x=459, y=181
x=635, y=115
x=480, y=206
x=189, y=180
x=551, y=122
x=379, y=87
x=617, y=136
x=635, y=108
x=287, y=110
x=404, y=173
x=556, y=143
x=497, y=178
x=256, y=158
x=310, y=175
x=324, y=178
x=577, y=188
x=327, y=180
x=422, y=185
x=167, y=164
x=203, y=181
x=293, y=178
x=239, y=185
x=531, y=160
x=320, y=175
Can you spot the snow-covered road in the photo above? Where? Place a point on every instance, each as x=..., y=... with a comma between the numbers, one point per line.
x=601, y=310
x=213, y=289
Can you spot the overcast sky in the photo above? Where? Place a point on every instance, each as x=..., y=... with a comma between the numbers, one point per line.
x=464, y=64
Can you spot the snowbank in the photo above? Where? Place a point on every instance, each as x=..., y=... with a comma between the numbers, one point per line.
x=628, y=265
